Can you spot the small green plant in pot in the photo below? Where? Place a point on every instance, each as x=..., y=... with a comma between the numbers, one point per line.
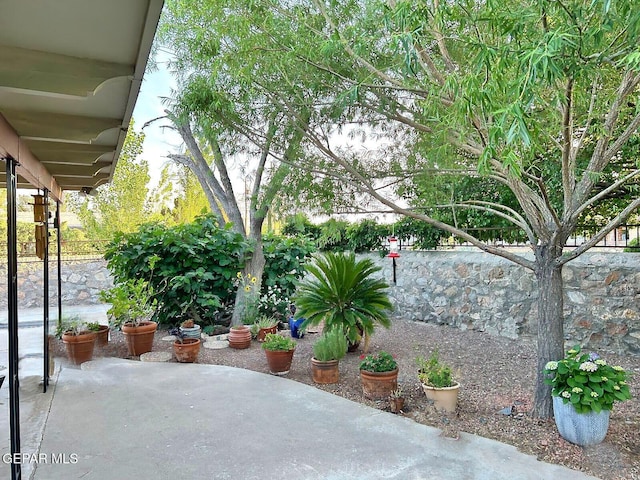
x=437, y=382
x=130, y=311
x=265, y=325
x=378, y=375
x=328, y=350
x=79, y=338
x=342, y=292
x=279, y=352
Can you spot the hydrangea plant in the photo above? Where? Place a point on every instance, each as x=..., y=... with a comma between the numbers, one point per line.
x=587, y=381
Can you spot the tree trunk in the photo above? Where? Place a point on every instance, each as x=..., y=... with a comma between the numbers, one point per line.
x=254, y=266
x=550, y=323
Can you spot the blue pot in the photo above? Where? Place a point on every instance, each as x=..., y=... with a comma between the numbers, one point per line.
x=294, y=326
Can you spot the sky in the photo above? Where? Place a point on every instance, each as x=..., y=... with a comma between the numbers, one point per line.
x=158, y=141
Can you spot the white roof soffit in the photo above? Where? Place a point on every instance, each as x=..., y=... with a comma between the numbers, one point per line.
x=70, y=73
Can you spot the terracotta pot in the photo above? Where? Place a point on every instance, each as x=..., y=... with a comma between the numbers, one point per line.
x=187, y=351
x=396, y=404
x=378, y=385
x=139, y=339
x=102, y=336
x=262, y=333
x=325, y=372
x=79, y=347
x=240, y=337
x=279, y=361
x=444, y=399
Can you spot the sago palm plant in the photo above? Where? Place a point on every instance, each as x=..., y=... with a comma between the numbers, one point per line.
x=342, y=291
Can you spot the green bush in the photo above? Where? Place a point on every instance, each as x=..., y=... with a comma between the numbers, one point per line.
x=633, y=246
x=367, y=236
x=190, y=268
x=425, y=237
x=433, y=373
x=285, y=258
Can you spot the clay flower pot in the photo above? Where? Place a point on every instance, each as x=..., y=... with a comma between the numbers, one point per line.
x=79, y=347
x=139, y=339
x=102, y=336
x=279, y=361
x=396, y=404
x=325, y=372
x=262, y=333
x=187, y=350
x=240, y=337
x=378, y=385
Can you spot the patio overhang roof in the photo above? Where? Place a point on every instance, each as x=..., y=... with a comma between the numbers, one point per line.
x=70, y=73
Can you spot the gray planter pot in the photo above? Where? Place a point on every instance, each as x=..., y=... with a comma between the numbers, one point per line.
x=191, y=332
x=583, y=429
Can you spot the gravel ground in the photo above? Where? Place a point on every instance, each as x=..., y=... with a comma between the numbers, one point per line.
x=496, y=376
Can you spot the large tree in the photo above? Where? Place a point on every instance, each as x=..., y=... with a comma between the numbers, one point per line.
x=538, y=96
x=121, y=205
x=515, y=92
x=230, y=128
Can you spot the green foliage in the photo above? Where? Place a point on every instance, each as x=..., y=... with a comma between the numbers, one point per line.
x=342, y=292
x=121, y=205
x=71, y=324
x=433, y=373
x=284, y=258
x=275, y=342
x=366, y=235
x=587, y=381
x=633, y=246
x=425, y=237
x=190, y=268
x=131, y=301
x=378, y=362
x=332, y=345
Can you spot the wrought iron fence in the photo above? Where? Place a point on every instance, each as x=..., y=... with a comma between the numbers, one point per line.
x=71, y=250
x=625, y=236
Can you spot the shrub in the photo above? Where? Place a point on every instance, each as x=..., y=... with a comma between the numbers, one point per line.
x=275, y=342
x=190, y=268
x=331, y=345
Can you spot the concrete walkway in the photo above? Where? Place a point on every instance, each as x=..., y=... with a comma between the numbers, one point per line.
x=118, y=419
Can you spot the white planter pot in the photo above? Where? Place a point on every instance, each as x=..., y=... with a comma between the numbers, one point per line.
x=583, y=429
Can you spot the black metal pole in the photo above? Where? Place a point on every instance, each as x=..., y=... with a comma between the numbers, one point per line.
x=59, y=242
x=394, y=270
x=12, y=304
x=45, y=281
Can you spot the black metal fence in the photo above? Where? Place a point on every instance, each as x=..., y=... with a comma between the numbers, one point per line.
x=625, y=236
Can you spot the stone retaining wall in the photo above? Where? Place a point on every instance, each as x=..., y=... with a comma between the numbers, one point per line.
x=475, y=290
x=464, y=289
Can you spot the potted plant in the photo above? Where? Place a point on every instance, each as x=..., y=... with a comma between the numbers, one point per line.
x=265, y=325
x=437, y=382
x=396, y=400
x=341, y=292
x=130, y=311
x=190, y=329
x=379, y=375
x=279, y=352
x=328, y=350
x=102, y=333
x=185, y=349
x=585, y=387
x=79, y=339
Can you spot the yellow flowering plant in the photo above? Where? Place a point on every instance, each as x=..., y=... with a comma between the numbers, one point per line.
x=587, y=381
x=248, y=283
